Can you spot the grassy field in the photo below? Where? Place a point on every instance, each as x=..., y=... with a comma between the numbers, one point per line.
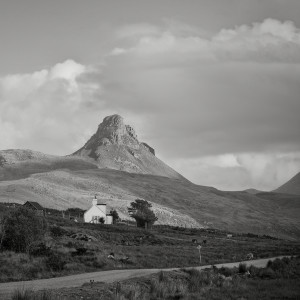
x=278, y=280
x=70, y=248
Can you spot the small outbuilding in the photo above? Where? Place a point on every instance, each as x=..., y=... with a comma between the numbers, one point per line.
x=97, y=214
x=35, y=206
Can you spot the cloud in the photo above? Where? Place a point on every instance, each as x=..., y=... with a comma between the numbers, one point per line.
x=263, y=171
x=233, y=93
x=221, y=108
x=268, y=41
x=236, y=91
x=44, y=109
x=134, y=31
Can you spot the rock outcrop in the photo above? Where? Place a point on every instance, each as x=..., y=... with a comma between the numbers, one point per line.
x=115, y=145
x=113, y=131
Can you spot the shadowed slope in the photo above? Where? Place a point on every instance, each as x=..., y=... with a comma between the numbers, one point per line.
x=290, y=187
x=17, y=164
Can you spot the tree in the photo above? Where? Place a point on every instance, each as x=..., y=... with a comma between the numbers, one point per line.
x=101, y=220
x=20, y=229
x=115, y=215
x=141, y=211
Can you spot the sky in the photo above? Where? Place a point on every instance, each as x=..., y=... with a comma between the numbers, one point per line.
x=212, y=85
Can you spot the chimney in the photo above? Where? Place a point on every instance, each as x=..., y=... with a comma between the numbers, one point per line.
x=95, y=201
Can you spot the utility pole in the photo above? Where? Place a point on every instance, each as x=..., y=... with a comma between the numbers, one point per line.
x=199, y=248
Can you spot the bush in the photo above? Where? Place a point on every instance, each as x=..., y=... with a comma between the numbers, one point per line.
x=21, y=228
x=30, y=295
x=74, y=266
x=81, y=251
x=39, y=250
x=55, y=261
x=31, y=271
x=22, y=295
x=242, y=268
x=198, y=279
x=227, y=271
x=267, y=273
x=57, y=231
x=278, y=265
x=254, y=271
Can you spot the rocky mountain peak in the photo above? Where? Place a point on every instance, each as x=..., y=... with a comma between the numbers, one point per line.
x=115, y=146
x=113, y=120
x=114, y=131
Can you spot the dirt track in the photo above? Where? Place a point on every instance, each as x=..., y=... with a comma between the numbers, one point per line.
x=6, y=289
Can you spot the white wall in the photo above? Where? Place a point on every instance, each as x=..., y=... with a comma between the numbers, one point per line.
x=94, y=213
x=109, y=220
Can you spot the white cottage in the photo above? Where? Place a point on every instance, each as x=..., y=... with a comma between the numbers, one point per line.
x=96, y=212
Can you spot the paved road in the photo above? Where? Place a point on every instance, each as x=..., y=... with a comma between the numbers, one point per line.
x=6, y=289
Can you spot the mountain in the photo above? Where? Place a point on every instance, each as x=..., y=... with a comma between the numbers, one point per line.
x=290, y=187
x=118, y=168
x=116, y=146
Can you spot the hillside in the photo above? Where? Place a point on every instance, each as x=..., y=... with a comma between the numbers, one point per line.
x=176, y=202
x=290, y=187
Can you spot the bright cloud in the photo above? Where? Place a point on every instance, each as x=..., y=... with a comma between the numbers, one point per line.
x=42, y=110
x=268, y=41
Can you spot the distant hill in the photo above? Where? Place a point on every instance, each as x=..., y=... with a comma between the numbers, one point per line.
x=290, y=187
x=252, y=191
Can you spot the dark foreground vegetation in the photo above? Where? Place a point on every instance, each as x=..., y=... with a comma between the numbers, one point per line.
x=34, y=247
x=278, y=280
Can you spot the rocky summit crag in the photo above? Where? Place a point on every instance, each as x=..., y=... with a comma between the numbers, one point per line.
x=116, y=146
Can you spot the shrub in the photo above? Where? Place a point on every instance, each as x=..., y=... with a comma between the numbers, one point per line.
x=161, y=276
x=74, y=266
x=81, y=251
x=267, y=273
x=278, y=265
x=99, y=264
x=242, y=268
x=39, y=250
x=254, y=271
x=55, y=261
x=57, y=231
x=71, y=244
x=20, y=229
x=198, y=279
x=227, y=271
x=115, y=215
x=30, y=295
x=22, y=295
x=163, y=289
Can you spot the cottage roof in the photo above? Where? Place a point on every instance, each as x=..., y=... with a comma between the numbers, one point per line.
x=36, y=205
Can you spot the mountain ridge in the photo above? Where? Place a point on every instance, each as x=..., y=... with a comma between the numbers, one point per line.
x=292, y=186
